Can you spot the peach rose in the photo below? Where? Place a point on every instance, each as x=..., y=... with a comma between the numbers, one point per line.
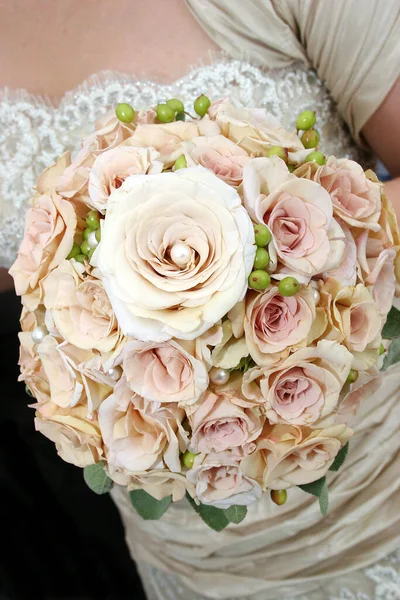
x=355, y=321
x=141, y=435
x=356, y=199
x=275, y=323
x=287, y=456
x=305, y=236
x=220, y=482
x=50, y=226
x=80, y=309
x=32, y=371
x=220, y=155
x=164, y=372
x=62, y=364
x=155, y=294
x=305, y=388
x=220, y=423
x=254, y=130
x=77, y=438
x=111, y=168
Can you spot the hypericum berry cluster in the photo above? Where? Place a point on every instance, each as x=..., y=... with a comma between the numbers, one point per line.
x=90, y=239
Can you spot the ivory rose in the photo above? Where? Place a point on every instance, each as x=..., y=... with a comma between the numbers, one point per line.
x=274, y=323
x=155, y=296
x=220, y=155
x=287, y=456
x=305, y=236
x=111, y=168
x=49, y=235
x=80, y=308
x=220, y=482
x=304, y=389
x=141, y=435
x=254, y=130
x=220, y=423
x=346, y=272
x=164, y=372
x=77, y=438
x=356, y=199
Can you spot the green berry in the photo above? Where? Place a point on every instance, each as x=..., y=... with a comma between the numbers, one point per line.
x=262, y=235
x=262, y=258
x=92, y=219
x=316, y=157
x=188, y=459
x=352, y=376
x=288, y=286
x=381, y=349
x=98, y=234
x=180, y=163
x=310, y=138
x=201, y=105
x=165, y=113
x=75, y=250
x=85, y=247
x=180, y=117
x=87, y=232
x=176, y=105
x=125, y=112
x=291, y=168
x=279, y=496
x=278, y=151
x=80, y=258
x=91, y=253
x=306, y=120
x=259, y=280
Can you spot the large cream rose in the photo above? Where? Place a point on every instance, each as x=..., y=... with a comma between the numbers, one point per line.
x=287, y=456
x=305, y=388
x=154, y=295
x=139, y=434
x=80, y=309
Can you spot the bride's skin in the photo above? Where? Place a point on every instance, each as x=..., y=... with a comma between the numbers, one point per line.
x=50, y=46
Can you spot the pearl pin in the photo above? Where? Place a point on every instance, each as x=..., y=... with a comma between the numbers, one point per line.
x=92, y=240
x=316, y=296
x=181, y=254
x=114, y=373
x=219, y=376
x=38, y=334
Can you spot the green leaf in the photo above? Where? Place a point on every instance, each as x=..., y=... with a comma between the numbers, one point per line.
x=148, y=507
x=393, y=354
x=391, y=329
x=320, y=489
x=213, y=517
x=236, y=514
x=97, y=479
x=340, y=458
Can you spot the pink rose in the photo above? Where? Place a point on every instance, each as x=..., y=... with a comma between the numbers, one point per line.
x=287, y=456
x=220, y=482
x=164, y=372
x=274, y=323
x=356, y=199
x=49, y=235
x=111, y=168
x=304, y=389
x=141, y=435
x=219, y=423
x=220, y=155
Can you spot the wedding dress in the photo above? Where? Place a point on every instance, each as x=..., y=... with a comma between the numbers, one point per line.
x=290, y=551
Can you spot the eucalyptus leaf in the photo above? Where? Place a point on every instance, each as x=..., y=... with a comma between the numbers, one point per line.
x=318, y=488
x=391, y=328
x=148, y=507
x=393, y=354
x=236, y=514
x=97, y=479
x=213, y=517
x=340, y=458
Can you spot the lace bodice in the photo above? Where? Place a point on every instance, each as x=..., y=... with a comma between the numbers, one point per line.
x=34, y=132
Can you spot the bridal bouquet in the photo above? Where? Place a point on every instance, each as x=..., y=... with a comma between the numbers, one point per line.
x=204, y=299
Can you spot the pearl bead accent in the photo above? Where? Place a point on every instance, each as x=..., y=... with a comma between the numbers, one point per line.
x=181, y=254
x=92, y=241
x=219, y=376
x=114, y=373
x=39, y=333
x=316, y=296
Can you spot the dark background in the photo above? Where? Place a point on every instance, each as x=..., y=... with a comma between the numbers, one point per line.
x=59, y=540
